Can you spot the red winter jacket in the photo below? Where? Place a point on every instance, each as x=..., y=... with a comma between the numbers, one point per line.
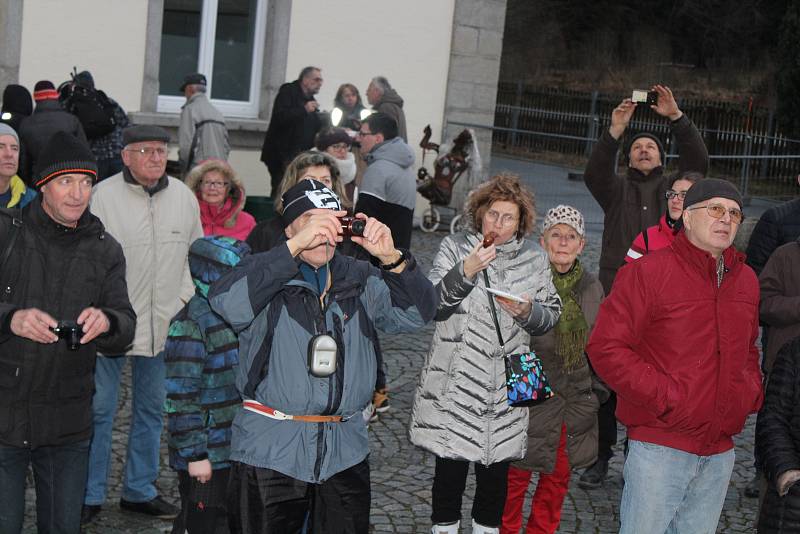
x=679, y=352
x=658, y=236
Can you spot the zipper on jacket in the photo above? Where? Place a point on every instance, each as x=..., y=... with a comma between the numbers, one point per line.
x=153, y=278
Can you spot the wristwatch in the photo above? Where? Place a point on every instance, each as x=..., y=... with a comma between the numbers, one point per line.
x=394, y=265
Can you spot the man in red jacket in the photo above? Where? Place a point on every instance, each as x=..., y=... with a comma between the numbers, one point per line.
x=676, y=340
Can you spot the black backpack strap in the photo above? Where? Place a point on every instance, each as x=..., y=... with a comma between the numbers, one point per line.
x=16, y=226
x=260, y=367
x=190, y=158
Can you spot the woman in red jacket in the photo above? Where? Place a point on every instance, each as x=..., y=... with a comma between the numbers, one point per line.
x=221, y=196
x=661, y=235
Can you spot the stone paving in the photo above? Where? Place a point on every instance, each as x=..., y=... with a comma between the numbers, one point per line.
x=402, y=474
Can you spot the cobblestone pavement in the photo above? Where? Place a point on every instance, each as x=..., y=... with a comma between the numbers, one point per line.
x=402, y=474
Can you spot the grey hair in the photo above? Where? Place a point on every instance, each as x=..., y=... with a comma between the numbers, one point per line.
x=307, y=71
x=199, y=88
x=381, y=83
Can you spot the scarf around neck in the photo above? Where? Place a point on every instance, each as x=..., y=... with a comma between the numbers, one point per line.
x=571, y=329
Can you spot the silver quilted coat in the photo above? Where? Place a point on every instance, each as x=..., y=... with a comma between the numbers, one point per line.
x=460, y=407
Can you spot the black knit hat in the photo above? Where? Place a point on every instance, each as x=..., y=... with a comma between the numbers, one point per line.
x=64, y=154
x=193, y=79
x=661, y=151
x=17, y=99
x=709, y=188
x=306, y=195
x=144, y=132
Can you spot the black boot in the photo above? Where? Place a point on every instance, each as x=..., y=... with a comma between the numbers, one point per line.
x=594, y=475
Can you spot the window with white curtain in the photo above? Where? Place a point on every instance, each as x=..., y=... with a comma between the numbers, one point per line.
x=222, y=39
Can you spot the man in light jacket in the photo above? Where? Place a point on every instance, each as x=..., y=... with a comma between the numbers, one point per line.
x=202, y=134
x=156, y=218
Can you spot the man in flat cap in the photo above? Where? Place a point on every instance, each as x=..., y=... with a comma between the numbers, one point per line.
x=58, y=267
x=156, y=218
x=676, y=339
x=202, y=134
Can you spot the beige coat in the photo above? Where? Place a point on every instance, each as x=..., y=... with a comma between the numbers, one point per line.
x=155, y=233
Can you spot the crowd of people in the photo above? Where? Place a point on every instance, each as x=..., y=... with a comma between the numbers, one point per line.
x=259, y=340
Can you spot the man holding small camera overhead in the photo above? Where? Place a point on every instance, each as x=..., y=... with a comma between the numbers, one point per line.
x=306, y=316
x=63, y=298
x=632, y=203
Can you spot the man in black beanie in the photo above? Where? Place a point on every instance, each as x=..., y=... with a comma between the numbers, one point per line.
x=299, y=447
x=631, y=204
x=676, y=339
x=65, y=298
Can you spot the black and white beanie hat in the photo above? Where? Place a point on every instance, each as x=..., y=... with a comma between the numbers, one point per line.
x=307, y=195
x=563, y=214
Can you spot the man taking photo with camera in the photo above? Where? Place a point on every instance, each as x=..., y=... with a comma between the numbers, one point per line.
x=300, y=446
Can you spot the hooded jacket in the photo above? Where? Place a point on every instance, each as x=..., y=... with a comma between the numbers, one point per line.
x=460, y=408
x=155, y=231
x=388, y=191
x=654, y=238
x=229, y=219
x=680, y=352
x=45, y=388
x=392, y=104
x=634, y=202
x=201, y=356
x=266, y=294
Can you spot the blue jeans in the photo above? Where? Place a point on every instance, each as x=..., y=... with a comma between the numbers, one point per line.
x=672, y=491
x=144, y=437
x=60, y=476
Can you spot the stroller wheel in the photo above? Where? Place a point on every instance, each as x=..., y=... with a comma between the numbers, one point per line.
x=457, y=224
x=430, y=220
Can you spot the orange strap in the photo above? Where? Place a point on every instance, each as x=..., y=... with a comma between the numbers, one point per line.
x=272, y=413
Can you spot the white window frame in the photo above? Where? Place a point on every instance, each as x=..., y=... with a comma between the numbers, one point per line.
x=205, y=64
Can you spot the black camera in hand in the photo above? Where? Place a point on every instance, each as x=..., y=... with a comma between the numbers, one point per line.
x=352, y=226
x=70, y=331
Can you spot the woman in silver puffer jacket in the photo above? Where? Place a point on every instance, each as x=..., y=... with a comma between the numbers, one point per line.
x=460, y=410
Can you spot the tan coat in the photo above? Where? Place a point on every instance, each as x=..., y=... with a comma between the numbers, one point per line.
x=155, y=233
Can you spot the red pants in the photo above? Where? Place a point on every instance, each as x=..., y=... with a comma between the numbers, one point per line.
x=547, y=499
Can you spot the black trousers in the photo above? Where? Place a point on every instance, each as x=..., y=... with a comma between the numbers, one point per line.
x=203, y=506
x=449, y=483
x=607, y=421
x=264, y=501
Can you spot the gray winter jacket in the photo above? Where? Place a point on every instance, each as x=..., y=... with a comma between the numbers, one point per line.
x=276, y=312
x=460, y=409
x=199, y=116
x=392, y=104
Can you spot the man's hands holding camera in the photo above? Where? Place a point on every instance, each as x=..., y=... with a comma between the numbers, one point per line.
x=666, y=106
x=36, y=325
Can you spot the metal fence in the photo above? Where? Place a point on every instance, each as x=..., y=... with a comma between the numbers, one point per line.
x=742, y=141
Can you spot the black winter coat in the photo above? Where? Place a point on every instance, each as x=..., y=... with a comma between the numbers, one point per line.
x=777, y=226
x=291, y=128
x=634, y=202
x=778, y=441
x=46, y=389
x=35, y=131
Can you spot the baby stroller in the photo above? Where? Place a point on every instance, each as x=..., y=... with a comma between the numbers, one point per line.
x=438, y=189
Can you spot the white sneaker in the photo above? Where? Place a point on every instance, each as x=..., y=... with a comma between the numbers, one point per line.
x=477, y=528
x=450, y=528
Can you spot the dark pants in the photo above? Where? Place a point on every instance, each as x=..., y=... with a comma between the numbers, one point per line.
x=203, y=506
x=449, y=483
x=276, y=170
x=60, y=477
x=607, y=421
x=264, y=501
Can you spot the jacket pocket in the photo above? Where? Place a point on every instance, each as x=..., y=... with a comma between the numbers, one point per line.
x=9, y=382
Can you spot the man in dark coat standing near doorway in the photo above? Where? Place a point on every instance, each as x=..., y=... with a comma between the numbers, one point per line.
x=294, y=123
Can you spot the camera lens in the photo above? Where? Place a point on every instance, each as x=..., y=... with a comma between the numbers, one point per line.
x=357, y=227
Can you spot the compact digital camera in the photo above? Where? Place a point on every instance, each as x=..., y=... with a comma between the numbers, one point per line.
x=70, y=331
x=647, y=97
x=352, y=226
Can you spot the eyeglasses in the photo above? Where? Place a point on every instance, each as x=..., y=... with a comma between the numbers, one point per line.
x=505, y=219
x=214, y=185
x=672, y=194
x=364, y=134
x=718, y=211
x=148, y=151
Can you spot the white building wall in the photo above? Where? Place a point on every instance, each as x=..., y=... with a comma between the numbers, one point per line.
x=105, y=37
